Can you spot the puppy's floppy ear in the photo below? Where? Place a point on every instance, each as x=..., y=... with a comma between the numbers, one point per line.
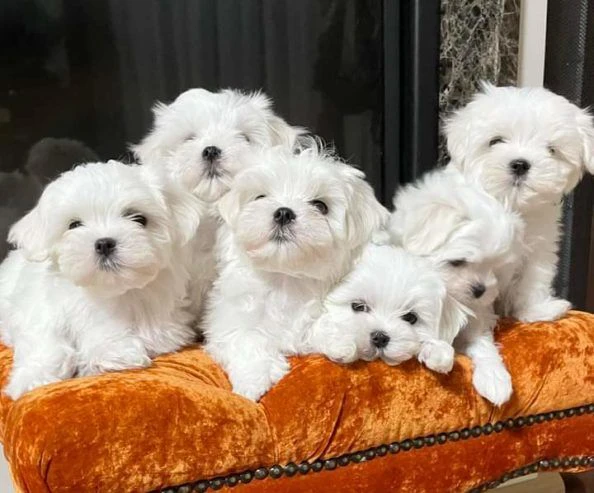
x=229, y=206
x=257, y=99
x=432, y=229
x=458, y=127
x=454, y=317
x=280, y=132
x=457, y=131
x=187, y=211
x=32, y=233
x=365, y=215
x=149, y=148
x=586, y=129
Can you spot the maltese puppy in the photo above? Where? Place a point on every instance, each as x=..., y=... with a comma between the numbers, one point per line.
x=467, y=235
x=202, y=136
x=201, y=139
x=387, y=307
x=293, y=226
x=527, y=148
x=94, y=285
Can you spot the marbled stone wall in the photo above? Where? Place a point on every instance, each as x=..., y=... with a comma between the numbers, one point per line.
x=479, y=41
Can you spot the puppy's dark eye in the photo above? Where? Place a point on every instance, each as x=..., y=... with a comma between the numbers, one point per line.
x=410, y=317
x=359, y=306
x=552, y=150
x=189, y=137
x=246, y=137
x=321, y=206
x=138, y=218
x=75, y=224
x=260, y=197
x=457, y=263
x=495, y=141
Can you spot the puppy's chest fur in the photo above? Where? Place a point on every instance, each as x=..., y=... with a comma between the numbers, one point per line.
x=279, y=306
x=540, y=238
x=61, y=306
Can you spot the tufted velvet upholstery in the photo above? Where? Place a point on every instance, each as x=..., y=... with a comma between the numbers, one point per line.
x=178, y=422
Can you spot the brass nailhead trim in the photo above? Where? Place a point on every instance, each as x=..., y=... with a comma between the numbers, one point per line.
x=291, y=469
x=540, y=465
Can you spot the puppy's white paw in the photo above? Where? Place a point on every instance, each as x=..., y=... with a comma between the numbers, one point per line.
x=492, y=381
x=401, y=351
x=437, y=356
x=254, y=382
x=23, y=380
x=344, y=354
x=545, y=311
x=127, y=354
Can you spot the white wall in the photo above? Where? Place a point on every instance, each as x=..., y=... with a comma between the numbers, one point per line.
x=533, y=30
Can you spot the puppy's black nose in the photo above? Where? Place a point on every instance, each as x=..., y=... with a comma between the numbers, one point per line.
x=519, y=167
x=478, y=290
x=283, y=216
x=211, y=153
x=379, y=339
x=105, y=246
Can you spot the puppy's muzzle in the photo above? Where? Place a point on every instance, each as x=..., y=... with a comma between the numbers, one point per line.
x=104, y=247
x=211, y=153
x=478, y=290
x=211, y=156
x=283, y=216
x=519, y=167
x=379, y=339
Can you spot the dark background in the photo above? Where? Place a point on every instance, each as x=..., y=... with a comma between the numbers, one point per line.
x=569, y=71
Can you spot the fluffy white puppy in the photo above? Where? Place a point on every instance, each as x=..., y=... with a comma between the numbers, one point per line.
x=293, y=226
x=201, y=139
x=526, y=147
x=384, y=308
x=202, y=136
x=94, y=285
x=466, y=234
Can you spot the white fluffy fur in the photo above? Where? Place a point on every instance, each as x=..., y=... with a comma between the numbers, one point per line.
x=391, y=284
x=62, y=309
x=272, y=280
x=230, y=120
x=466, y=234
x=556, y=138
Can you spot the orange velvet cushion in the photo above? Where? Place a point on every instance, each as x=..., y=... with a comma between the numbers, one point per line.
x=178, y=422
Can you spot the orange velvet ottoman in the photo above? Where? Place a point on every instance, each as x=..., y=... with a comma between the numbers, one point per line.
x=324, y=428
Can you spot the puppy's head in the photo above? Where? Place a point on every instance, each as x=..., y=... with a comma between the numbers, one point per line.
x=380, y=308
x=473, y=284
x=524, y=146
x=301, y=215
x=202, y=136
x=464, y=233
x=107, y=227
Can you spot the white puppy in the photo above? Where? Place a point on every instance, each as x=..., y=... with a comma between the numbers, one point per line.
x=201, y=139
x=466, y=234
x=526, y=147
x=94, y=285
x=389, y=303
x=202, y=136
x=293, y=226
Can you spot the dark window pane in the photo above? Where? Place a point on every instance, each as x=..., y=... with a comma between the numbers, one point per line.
x=91, y=70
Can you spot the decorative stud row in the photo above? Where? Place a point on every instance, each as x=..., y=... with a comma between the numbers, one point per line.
x=538, y=466
x=291, y=469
